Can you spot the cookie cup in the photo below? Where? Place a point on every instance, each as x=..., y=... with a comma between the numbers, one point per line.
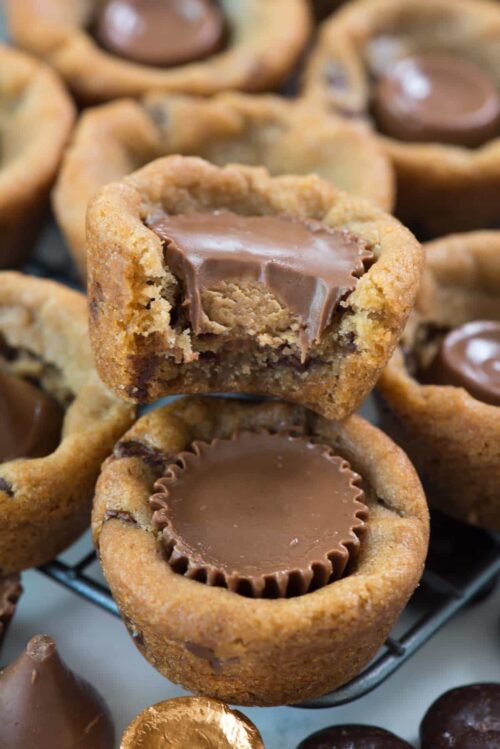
x=257, y=651
x=45, y=502
x=36, y=117
x=451, y=437
x=440, y=188
x=142, y=350
x=265, y=41
x=286, y=137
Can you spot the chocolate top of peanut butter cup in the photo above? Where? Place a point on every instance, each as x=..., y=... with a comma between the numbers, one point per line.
x=30, y=419
x=469, y=357
x=160, y=32
x=438, y=98
x=262, y=514
x=307, y=265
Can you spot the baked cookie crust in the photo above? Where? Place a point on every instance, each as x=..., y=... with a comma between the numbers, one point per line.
x=286, y=137
x=143, y=352
x=266, y=39
x=452, y=438
x=36, y=117
x=440, y=188
x=257, y=651
x=45, y=502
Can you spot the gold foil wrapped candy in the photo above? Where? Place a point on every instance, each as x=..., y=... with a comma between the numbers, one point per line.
x=191, y=723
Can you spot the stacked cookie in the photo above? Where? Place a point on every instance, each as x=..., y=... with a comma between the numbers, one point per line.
x=259, y=548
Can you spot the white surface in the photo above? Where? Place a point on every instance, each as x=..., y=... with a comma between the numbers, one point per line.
x=97, y=646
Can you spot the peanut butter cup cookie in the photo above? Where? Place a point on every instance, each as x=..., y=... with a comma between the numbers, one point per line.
x=258, y=552
x=36, y=116
x=287, y=137
x=207, y=279
x=105, y=49
x=426, y=73
x=441, y=391
x=58, y=420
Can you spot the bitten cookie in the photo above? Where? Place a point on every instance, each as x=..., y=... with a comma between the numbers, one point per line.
x=36, y=117
x=286, y=137
x=58, y=421
x=426, y=74
x=258, y=553
x=441, y=390
x=207, y=279
x=251, y=45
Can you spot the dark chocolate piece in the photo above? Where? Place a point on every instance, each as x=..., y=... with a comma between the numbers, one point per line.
x=464, y=718
x=10, y=592
x=265, y=515
x=160, y=32
x=469, y=357
x=353, y=737
x=31, y=420
x=437, y=98
x=44, y=705
x=308, y=266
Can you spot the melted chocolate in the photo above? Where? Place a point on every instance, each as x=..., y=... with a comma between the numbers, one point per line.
x=353, y=737
x=160, y=32
x=464, y=718
x=308, y=266
x=31, y=420
x=469, y=357
x=43, y=705
x=436, y=98
x=262, y=514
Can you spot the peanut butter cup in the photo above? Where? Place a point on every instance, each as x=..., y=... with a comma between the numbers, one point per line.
x=194, y=722
x=44, y=705
x=160, y=32
x=232, y=514
x=308, y=267
x=58, y=422
x=424, y=73
x=36, y=117
x=31, y=420
x=287, y=137
x=437, y=98
x=208, y=279
x=441, y=391
x=111, y=48
x=469, y=357
x=222, y=527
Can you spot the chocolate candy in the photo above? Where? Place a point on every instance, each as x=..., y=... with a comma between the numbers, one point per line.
x=437, y=98
x=469, y=357
x=10, y=592
x=194, y=722
x=160, y=32
x=44, y=705
x=262, y=514
x=353, y=737
x=463, y=718
x=31, y=420
x=308, y=266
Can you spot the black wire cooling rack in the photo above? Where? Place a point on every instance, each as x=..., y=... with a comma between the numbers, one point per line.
x=462, y=566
